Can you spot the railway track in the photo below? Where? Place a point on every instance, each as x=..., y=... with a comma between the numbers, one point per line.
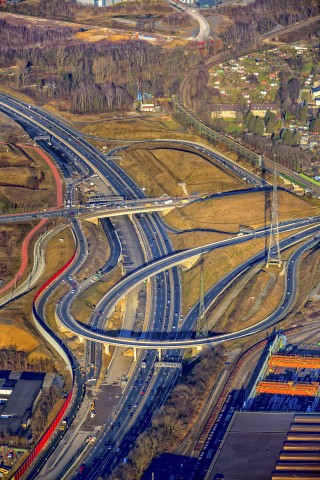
x=250, y=356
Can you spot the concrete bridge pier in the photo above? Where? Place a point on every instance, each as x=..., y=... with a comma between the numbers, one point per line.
x=106, y=348
x=159, y=354
x=196, y=350
x=134, y=354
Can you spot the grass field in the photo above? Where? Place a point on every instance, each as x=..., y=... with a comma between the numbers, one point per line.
x=135, y=127
x=86, y=301
x=12, y=156
x=221, y=218
x=58, y=251
x=161, y=170
x=13, y=335
x=255, y=301
x=16, y=324
x=11, y=238
x=25, y=179
x=17, y=328
x=99, y=247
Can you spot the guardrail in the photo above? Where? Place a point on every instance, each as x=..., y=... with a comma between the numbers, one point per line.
x=54, y=276
x=65, y=354
x=43, y=441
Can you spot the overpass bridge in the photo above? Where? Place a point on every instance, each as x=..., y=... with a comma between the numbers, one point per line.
x=95, y=210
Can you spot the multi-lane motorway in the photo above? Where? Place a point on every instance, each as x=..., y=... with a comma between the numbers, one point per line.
x=150, y=226
x=148, y=386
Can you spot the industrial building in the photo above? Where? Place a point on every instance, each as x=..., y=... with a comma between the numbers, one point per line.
x=19, y=392
x=276, y=435
x=286, y=382
x=264, y=445
x=294, y=361
x=99, y=3
x=208, y=3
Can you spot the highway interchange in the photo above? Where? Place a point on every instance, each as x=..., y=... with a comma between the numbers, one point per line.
x=164, y=329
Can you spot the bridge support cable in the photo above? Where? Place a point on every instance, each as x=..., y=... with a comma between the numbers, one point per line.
x=274, y=257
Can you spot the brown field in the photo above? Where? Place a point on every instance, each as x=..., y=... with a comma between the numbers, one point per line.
x=135, y=128
x=161, y=170
x=12, y=156
x=218, y=263
x=251, y=306
x=58, y=251
x=17, y=327
x=25, y=179
x=99, y=248
x=86, y=301
x=11, y=238
x=223, y=216
x=12, y=335
x=309, y=275
x=97, y=34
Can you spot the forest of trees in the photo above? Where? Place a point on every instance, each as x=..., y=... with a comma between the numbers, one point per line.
x=46, y=403
x=262, y=16
x=91, y=77
x=13, y=359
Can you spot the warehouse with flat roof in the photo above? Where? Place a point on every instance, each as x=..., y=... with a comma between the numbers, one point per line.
x=19, y=392
x=268, y=445
x=250, y=446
